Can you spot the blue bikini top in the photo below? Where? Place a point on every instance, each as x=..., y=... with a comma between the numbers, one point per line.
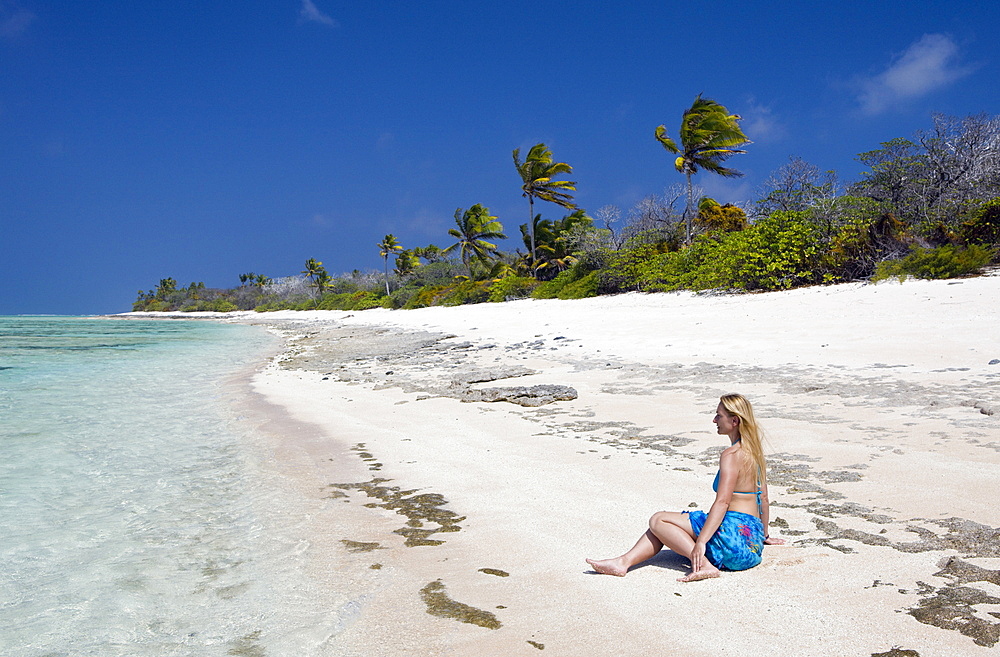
x=715, y=487
x=760, y=511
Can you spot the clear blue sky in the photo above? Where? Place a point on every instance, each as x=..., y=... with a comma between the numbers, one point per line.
x=201, y=140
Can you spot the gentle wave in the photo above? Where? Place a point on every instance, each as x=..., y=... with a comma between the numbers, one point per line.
x=128, y=502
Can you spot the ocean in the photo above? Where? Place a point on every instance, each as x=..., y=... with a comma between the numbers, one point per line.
x=131, y=499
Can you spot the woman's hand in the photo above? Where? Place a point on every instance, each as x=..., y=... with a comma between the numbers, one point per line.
x=698, y=559
x=771, y=540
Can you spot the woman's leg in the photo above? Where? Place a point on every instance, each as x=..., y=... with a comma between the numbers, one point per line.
x=645, y=548
x=676, y=533
x=666, y=529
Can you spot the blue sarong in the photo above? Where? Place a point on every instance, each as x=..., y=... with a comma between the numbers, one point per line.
x=738, y=544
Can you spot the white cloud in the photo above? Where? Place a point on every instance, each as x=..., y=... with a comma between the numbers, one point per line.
x=929, y=64
x=310, y=12
x=14, y=20
x=724, y=190
x=760, y=124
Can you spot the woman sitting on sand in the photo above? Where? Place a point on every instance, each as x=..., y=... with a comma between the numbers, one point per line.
x=732, y=535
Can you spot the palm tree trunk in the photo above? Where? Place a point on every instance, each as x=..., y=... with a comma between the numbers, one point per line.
x=386, y=267
x=687, y=211
x=531, y=229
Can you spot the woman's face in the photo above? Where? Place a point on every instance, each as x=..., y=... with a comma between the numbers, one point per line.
x=725, y=423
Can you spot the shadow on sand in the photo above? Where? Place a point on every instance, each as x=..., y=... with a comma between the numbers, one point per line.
x=666, y=559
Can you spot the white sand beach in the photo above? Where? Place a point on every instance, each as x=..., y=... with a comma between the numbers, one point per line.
x=447, y=526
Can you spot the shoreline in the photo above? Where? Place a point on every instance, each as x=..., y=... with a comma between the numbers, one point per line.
x=875, y=399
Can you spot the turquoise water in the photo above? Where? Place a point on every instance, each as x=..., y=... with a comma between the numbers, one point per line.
x=127, y=497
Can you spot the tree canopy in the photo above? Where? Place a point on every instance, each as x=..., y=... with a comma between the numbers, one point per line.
x=474, y=227
x=537, y=172
x=709, y=136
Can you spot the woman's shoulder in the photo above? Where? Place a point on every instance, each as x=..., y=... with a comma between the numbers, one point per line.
x=732, y=456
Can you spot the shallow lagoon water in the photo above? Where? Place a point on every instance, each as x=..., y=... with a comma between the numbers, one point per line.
x=129, y=496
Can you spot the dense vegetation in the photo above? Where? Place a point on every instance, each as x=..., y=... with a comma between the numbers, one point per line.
x=927, y=207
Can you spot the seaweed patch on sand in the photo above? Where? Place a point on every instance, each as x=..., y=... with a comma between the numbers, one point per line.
x=367, y=457
x=419, y=509
x=359, y=546
x=953, y=606
x=438, y=603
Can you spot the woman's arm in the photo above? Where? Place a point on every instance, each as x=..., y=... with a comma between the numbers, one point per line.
x=729, y=471
x=765, y=515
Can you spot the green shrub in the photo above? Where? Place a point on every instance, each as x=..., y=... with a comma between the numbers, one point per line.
x=272, y=306
x=942, y=262
x=359, y=300
x=628, y=268
x=580, y=289
x=425, y=296
x=400, y=297
x=221, y=306
x=508, y=287
x=465, y=292
x=157, y=306
x=984, y=225
x=778, y=252
x=365, y=301
x=551, y=289
x=334, y=301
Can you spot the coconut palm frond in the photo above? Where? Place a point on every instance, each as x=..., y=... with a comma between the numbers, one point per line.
x=709, y=135
x=474, y=227
x=537, y=171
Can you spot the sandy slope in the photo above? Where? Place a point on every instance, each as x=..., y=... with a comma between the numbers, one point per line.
x=885, y=470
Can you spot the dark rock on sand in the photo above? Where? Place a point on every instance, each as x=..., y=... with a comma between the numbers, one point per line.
x=984, y=408
x=522, y=395
x=491, y=374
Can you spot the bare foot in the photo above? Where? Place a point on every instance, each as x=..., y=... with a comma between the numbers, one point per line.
x=704, y=573
x=608, y=567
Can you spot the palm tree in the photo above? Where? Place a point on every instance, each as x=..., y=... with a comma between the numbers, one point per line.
x=475, y=226
x=537, y=172
x=321, y=282
x=709, y=136
x=313, y=267
x=387, y=247
x=166, y=286
x=430, y=253
x=315, y=272
x=406, y=263
x=555, y=241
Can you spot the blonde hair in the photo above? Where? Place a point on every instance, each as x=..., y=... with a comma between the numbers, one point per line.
x=750, y=433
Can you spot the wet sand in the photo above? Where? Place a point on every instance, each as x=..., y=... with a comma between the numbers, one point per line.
x=449, y=525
